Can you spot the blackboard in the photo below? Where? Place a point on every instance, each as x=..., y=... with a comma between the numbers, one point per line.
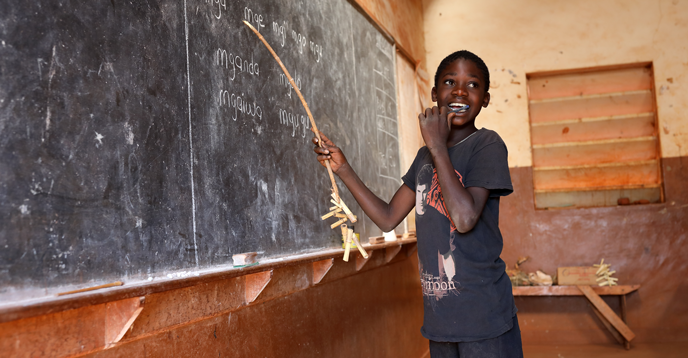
x=138, y=138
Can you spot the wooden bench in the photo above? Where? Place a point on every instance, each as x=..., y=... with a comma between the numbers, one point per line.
x=617, y=326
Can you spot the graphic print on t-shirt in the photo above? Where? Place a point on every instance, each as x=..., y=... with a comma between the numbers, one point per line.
x=435, y=199
x=443, y=283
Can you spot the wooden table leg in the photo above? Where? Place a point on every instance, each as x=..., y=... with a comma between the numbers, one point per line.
x=607, y=312
x=622, y=341
x=622, y=301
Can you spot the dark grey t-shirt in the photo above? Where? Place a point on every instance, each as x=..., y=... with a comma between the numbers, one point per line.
x=466, y=291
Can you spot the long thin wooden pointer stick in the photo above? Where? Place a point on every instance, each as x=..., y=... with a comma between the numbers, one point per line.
x=118, y=283
x=303, y=101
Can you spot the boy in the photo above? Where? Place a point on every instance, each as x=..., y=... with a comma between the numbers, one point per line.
x=455, y=183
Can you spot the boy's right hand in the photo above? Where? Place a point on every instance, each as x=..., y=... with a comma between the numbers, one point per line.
x=330, y=152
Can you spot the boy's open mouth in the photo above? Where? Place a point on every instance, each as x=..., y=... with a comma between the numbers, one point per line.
x=458, y=107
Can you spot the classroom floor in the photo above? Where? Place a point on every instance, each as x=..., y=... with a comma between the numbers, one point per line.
x=666, y=350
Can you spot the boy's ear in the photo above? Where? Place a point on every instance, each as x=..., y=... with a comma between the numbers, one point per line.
x=434, y=94
x=486, y=100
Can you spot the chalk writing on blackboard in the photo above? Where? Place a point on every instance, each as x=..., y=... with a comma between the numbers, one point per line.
x=279, y=31
x=221, y=5
x=254, y=19
x=283, y=81
x=222, y=58
x=295, y=121
x=317, y=51
x=239, y=104
x=385, y=105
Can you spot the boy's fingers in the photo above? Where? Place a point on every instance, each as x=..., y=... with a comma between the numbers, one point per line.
x=328, y=150
x=332, y=149
x=325, y=139
x=322, y=136
x=450, y=118
x=444, y=113
x=325, y=143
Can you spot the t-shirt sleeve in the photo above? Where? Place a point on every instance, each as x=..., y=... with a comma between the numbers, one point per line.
x=488, y=168
x=410, y=177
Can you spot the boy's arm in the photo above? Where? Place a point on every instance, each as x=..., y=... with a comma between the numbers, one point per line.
x=385, y=216
x=465, y=205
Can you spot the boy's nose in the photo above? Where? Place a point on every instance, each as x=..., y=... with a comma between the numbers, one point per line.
x=459, y=91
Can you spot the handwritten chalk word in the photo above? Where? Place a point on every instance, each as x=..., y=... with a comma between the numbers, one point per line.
x=221, y=5
x=239, y=104
x=299, y=39
x=222, y=58
x=295, y=121
x=284, y=81
x=279, y=31
x=255, y=18
x=382, y=70
x=317, y=51
x=382, y=45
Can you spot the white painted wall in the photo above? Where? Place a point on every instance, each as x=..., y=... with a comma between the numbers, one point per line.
x=516, y=37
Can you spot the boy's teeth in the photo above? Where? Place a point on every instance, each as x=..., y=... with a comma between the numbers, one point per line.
x=458, y=107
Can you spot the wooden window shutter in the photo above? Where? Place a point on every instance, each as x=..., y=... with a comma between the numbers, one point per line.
x=594, y=137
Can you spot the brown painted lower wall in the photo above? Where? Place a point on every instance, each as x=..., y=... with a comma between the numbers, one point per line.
x=377, y=313
x=374, y=312
x=646, y=244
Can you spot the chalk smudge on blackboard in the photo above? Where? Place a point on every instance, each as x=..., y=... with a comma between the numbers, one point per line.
x=99, y=138
x=51, y=74
x=129, y=134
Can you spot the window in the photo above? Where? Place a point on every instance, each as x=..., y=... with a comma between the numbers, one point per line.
x=594, y=137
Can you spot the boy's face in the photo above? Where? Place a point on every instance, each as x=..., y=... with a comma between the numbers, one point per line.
x=459, y=84
x=421, y=192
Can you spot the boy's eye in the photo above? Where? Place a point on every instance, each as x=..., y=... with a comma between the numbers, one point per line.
x=473, y=85
x=449, y=82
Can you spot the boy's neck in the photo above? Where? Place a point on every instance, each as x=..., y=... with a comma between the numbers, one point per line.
x=458, y=134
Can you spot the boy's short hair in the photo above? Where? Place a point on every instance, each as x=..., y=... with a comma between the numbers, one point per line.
x=466, y=55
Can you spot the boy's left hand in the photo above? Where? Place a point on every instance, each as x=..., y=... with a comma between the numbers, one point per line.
x=435, y=124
